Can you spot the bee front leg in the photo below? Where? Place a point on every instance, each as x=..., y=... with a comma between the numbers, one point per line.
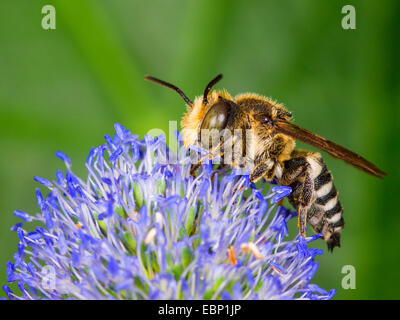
x=193, y=168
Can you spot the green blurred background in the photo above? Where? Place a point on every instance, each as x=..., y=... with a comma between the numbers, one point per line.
x=64, y=89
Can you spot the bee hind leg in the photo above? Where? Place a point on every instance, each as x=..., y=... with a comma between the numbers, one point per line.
x=297, y=175
x=304, y=203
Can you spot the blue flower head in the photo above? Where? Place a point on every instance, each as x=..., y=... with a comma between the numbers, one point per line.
x=139, y=226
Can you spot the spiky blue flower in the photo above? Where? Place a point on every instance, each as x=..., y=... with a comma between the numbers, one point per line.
x=139, y=226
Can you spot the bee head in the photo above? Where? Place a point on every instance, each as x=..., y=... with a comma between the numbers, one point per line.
x=210, y=111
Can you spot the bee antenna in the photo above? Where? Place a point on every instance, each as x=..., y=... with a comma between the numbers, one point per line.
x=209, y=86
x=171, y=86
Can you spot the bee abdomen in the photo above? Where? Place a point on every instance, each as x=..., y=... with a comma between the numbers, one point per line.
x=313, y=188
x=326, y=214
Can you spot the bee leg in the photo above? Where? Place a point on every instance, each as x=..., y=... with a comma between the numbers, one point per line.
x=219, y=167
x=264, y=169
x=193, y=168
x=304, y=202
x=295, y=170
x=211, y=155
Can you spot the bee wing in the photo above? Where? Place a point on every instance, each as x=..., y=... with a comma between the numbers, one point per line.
x=332, y=148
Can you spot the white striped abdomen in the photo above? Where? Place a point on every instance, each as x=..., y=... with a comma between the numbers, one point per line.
x=324, y=211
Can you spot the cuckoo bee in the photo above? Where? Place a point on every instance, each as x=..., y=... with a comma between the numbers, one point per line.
x=268, y=151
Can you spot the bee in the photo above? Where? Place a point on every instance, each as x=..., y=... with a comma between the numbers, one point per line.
x=268, y=151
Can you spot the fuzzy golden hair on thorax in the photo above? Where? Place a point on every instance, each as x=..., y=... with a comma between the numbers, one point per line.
x=277, y=110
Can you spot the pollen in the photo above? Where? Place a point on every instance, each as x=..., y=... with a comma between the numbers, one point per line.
x=276, y=270
x=150, y=236
x=232, y=258
x=262, y=239
x=251, y=248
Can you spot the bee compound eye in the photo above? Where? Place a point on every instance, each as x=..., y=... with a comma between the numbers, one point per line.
x=216, y=117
